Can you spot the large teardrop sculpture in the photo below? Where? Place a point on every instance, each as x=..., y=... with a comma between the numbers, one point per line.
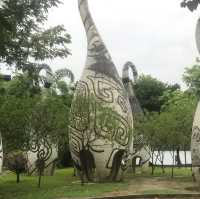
x=195, y=145
x=197, y=35
x=101, y=121
x=195, y=141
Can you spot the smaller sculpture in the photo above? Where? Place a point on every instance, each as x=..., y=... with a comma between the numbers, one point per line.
x=139, y=144
x=46, y=152
x=129, y=86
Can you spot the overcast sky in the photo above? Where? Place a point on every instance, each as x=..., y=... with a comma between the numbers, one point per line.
x=157, y=36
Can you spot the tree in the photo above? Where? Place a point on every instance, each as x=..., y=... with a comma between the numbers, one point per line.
x=191, y=77
x=171, y=128
x=22, y=37
x=148, y=127
x=16, y=162
x=14, y=122
x=49, y=128
x=190, y=4
x=149, y=91
x=54, y=79
x=180, y=107
x=28, y=119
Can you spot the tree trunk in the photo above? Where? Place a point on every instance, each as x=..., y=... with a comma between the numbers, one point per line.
x=178, y=159
x=40, y=177
x=185, y=158
x=134, y=165
x=152, y=167
x=40, y=167
x=162, y=163
x=74, y=174
x=173, y=164
x=82, y=177
x=18, y=177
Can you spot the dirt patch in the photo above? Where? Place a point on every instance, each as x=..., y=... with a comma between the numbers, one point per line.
x=194, y=189
x=156, y=185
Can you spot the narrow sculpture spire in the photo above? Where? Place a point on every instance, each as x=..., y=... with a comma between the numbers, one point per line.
x=128, y=84
x=97, y=51
x=93, y=36
x=197, y=35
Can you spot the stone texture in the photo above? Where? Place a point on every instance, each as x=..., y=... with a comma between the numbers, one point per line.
x=129, y=86
x=142, y=150
x=195, y=145
x=100, y=150
x=195, y=141
x=198, y=35
x=50, y=155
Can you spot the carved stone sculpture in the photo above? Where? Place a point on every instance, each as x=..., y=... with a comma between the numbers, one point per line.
x=197, y=35
x=195, y=141
x=195, y=145
x=128, y=84
x=101, y=119
x=46, y=152
x=142, y=150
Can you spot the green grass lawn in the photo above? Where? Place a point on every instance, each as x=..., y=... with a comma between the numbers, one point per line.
x=64, y=185
x=158, y=172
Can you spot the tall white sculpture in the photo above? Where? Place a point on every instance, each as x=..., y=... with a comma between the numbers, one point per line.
x=195, y=145
x=100, y=150
x=195, y=141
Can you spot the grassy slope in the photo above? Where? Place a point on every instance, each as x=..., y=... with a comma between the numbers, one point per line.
x=64, y=185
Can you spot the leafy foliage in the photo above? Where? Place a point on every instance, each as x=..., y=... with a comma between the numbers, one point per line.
x=190, y=4
x=149, y=91
x=192, y=78
x=31, y=108
x=16, y=162
x=171, y=128
x=22, y=36
x=24, y=115
x=14, y=122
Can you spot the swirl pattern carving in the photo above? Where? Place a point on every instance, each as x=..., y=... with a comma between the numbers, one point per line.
x=101, y=118
x=44, y=150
